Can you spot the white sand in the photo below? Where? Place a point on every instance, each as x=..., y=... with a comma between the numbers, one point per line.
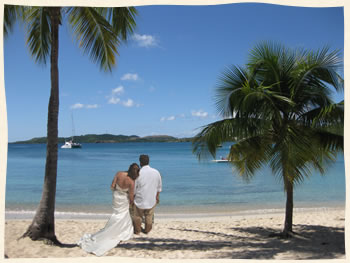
x=321, y=236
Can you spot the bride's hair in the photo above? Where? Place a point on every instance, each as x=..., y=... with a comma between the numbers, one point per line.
x=133, y=171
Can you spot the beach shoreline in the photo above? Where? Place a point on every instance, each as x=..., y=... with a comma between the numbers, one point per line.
x=320, y=235
x=189, y=211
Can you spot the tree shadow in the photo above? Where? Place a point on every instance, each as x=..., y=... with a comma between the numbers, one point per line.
x=68, y=245
x=55, y=242
x=310, y=242
x=161, y=244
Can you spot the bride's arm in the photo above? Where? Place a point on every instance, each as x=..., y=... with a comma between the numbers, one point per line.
x=114, y=182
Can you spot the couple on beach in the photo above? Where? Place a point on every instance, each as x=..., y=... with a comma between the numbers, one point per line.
x=135, y=195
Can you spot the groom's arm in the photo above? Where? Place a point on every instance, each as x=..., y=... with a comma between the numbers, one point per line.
x=157, y=197
x=159, y=188
x=131, y=192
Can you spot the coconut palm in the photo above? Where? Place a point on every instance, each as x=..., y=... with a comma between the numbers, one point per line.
x=278, y=111
x=99, y=32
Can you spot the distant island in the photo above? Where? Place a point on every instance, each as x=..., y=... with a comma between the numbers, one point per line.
x=109, y=138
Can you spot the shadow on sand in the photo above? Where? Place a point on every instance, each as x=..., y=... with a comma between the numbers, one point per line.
x=311, y=242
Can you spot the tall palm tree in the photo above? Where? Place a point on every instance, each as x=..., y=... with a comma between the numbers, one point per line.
x=278, y=111
x=98, y=31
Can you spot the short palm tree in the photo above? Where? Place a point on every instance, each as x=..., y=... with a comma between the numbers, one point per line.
x=278, y=111
x=98, y=31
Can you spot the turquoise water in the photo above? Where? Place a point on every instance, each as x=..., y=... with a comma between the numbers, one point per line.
x=84, y=177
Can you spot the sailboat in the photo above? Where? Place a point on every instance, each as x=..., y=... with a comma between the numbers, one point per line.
x=71, y=144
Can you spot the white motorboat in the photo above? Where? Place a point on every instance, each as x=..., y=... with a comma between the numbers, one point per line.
x=220, y=161
x=70, y=144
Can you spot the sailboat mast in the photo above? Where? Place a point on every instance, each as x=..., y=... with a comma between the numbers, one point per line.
x=73, y=129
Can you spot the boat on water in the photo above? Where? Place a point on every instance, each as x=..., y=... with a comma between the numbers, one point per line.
x=70, y=144
x=220, y=161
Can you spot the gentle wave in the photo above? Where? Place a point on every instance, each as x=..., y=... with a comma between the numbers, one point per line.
x=26, y=214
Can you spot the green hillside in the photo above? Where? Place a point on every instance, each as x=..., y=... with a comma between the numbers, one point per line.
x=110, y=138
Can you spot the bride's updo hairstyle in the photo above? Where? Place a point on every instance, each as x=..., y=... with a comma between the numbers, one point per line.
x=133, y=171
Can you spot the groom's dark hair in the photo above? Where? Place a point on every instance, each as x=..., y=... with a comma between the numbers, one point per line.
x=144, y=159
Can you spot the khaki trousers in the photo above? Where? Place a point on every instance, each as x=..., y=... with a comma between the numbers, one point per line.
x=138, y=214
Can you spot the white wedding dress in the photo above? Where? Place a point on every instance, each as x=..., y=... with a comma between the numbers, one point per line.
x=118, y=228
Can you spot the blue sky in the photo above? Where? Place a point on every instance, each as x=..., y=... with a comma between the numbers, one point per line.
x=166, y=74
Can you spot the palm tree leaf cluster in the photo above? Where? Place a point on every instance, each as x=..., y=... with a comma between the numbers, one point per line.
x=97, y=31
x=278, y=110
x=94, y=35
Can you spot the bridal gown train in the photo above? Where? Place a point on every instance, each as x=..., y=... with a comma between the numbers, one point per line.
x=118, y=228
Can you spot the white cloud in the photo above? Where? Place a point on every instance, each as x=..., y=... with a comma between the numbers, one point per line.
x=130, y=76
x=145, y=40
x=128, y=103
x=91, y=106
x=200, y=113
x=117, y=91
x=81, y=106
x=77, y=106
x=113, y=100
x=171, y=118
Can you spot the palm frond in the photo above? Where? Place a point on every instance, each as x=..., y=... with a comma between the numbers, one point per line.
x=302, y=149
x=238, y=95
x=95, y=35
x=39, y=32
x=331, y=139
x=270, y=62
x=291, y=155
x=12, y=13
x=322, y=66
x=211, y=136
x=329, y=116
x=249, y=155
x=228, y=96
x=122, y=19
x=227, y=130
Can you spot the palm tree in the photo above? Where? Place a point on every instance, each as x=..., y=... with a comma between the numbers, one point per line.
x=99, y=31
x=278, y=111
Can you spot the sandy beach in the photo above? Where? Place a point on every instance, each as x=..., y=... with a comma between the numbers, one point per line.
x=320, y=235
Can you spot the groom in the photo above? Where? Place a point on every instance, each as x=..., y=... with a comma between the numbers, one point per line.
x=147, y=188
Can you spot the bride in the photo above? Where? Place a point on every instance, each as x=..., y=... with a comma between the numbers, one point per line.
x=119, y=227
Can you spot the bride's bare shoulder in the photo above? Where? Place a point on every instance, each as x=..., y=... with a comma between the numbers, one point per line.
x=121, y=173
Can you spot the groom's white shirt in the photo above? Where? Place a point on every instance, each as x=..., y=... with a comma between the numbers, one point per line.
x=147, y=185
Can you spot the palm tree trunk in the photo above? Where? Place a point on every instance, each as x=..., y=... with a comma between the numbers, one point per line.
x=288, y=222
x=43, y=224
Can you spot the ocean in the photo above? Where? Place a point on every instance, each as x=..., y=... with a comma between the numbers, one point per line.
x=85, y=175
